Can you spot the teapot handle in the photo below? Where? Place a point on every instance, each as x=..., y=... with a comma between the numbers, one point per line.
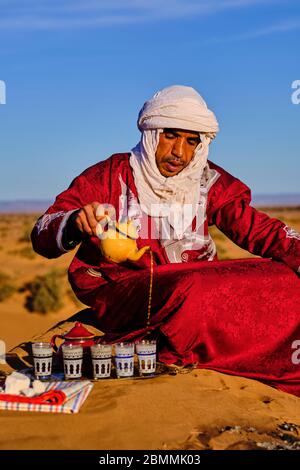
x=52, y=342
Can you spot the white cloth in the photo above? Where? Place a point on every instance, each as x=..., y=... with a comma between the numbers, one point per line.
x=178, y=107
x=175, y=197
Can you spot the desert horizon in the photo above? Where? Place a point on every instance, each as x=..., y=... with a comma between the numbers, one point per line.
x=259, y=200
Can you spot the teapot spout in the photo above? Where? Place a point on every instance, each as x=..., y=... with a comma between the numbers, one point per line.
x=136, y=255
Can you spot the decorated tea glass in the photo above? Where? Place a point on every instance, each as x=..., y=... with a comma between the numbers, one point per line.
x=101, y=359
x=42, y=359
x=124, y=359
x=146, y=352
x=72, y=357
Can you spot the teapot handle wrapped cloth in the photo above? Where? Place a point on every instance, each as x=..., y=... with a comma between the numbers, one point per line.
x=53, y=344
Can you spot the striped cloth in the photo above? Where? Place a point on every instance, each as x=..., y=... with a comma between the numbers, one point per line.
x=76, y=394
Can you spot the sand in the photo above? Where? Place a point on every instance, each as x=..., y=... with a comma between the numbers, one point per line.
x=198, y=410
x=179, y=409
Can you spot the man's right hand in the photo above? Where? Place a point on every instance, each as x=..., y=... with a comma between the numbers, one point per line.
x=83, y=222
x=86, y=219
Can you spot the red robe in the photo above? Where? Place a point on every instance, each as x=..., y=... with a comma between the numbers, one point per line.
x=239, y=317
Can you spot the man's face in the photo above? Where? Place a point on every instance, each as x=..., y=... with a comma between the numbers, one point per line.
x=175, y=150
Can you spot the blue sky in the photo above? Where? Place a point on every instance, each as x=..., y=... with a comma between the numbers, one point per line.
x=78, y=71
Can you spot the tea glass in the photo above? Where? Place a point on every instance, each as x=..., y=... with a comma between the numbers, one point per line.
x=42, y=359
x=72, y=357
x=101, y=359
x=124, y=359
x=146, y=352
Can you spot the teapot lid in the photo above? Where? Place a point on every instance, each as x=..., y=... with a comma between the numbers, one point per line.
x=127, y=229
x=78, y=331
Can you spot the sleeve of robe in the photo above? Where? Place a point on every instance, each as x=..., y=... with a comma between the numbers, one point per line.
x=47, y=233
x=249, y=228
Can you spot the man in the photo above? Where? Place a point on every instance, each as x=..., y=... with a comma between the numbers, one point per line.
x=173, y=193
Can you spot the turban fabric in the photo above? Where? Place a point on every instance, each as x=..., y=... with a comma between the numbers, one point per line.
x=178, y=107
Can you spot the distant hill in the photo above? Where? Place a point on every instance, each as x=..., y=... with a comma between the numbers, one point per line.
x=36, y=205
x=24, y=206
x=273, y=200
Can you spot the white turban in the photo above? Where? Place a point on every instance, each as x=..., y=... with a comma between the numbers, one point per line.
x=175, y=107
